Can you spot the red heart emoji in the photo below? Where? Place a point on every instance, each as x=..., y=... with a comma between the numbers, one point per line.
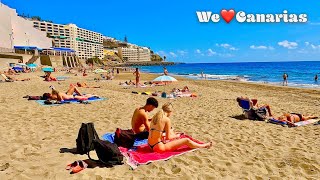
x=227, y=15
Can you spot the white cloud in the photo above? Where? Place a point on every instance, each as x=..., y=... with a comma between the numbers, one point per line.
x=261, y=47
x=173, y=54
x=287, y=44
x=198, y=51
x=315, y=46
x=211, y=52
x=227, y=46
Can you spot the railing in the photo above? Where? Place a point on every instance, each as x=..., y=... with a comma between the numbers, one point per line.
x=6, y=50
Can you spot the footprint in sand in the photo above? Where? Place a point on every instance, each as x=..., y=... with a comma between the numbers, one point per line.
x=4, y=167
x=175, y=169
x=196, y=158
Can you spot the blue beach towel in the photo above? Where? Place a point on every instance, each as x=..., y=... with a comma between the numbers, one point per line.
x=74, y=101
x=110, y=137
x=62, y=78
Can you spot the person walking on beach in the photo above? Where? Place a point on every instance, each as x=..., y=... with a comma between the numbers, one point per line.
x=285, y=79
x=316, y=78
x=202, y=74
x=165, y=71
x=137, y=74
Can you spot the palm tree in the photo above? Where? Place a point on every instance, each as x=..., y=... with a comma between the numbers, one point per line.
x=164, y=58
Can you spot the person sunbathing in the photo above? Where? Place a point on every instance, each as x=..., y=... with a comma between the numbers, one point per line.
x=254, y=104
x=72, y=93
x=10, y=72
x=84, y=85
x=185, y=89
x=11, y=79
x=295, y=117
x=84, y=73
x=49, y=77
x=160, y=124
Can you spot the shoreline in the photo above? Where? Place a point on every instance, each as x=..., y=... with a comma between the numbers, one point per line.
x=273, y=84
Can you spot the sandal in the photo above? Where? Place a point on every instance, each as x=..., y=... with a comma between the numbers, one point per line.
x=72, y=165
x=81, y=166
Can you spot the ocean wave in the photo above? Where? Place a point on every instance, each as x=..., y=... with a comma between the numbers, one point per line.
x=215, y=77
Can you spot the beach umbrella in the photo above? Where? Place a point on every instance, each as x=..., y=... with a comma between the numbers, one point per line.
x=100, y=71
x=165, y=79
x=32, y=65
x=47, y=69
x=21, y=64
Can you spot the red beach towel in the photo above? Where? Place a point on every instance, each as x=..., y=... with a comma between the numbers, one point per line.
x=144, y=155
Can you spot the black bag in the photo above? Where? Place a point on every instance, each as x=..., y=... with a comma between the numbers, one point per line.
x=261, y=114
x=108, y=153
x=86, y=135
x=124, y=138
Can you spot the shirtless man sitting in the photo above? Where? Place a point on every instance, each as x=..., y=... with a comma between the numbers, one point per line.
x=140, y=122
x=56, y=95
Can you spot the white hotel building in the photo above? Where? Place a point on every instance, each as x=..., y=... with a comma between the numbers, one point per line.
x=18, y=31
x=134, y=54
x=87, y=44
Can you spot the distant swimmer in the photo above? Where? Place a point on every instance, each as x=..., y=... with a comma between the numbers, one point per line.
x=285, y=79
x=316, y=78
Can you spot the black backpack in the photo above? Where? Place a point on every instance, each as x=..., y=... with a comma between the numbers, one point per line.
x=107, y=152
x=86, y=135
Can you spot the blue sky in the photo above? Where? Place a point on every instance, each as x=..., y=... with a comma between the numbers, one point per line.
x=171, y=27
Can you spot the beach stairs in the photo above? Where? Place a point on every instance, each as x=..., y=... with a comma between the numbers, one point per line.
x=33, y=59
x=60, y=61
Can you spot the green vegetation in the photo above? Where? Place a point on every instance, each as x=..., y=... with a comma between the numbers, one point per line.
x=94, y=60
x=156, y=57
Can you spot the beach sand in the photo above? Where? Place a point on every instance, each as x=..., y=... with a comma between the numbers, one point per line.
x=32, y=135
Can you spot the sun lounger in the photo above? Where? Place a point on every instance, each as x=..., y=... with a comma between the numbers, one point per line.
x=249, y=112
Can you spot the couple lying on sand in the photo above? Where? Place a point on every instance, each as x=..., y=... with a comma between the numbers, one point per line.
x=72, y=93
x=161, y=136
x=287, y=117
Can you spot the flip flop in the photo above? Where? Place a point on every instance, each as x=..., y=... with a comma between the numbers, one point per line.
x=72, y=165
x=81, y=166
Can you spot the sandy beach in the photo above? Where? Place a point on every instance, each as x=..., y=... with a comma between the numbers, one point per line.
x=32, y=135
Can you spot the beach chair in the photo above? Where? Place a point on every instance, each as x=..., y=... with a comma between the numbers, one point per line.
x=251, y=112
x=247, y=109
x=6, y=78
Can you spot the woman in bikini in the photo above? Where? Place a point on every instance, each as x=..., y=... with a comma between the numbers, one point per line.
x=72, y=93
x=160, y=124
x=295, y=117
